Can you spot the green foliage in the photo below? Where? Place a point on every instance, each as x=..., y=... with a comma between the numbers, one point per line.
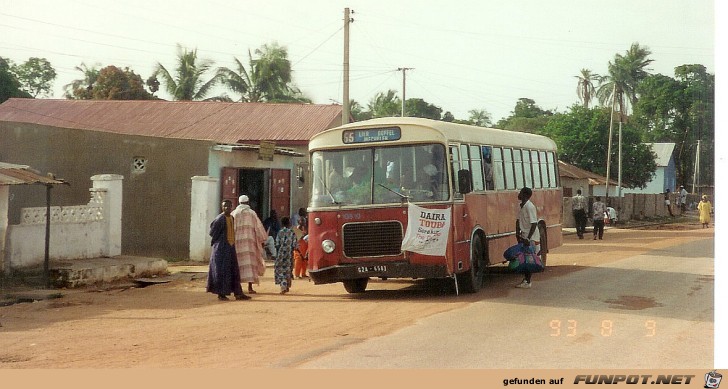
x=187, y=82
x=36, y=76
x=78, y=88
x=268, y=77
x=625, y=73
x=581, y=136
x=9, y=84
x=385, y=105
x=113, y=83
x=480, y=118
x=421, y=109
x=526, y=117
x=585, y=88
x=681, y=111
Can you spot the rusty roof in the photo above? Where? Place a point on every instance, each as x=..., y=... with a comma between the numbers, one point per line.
x=571, y=171
x=214, y=121
x=11, y=174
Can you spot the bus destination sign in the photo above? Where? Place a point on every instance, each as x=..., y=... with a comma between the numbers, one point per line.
x=372, y=135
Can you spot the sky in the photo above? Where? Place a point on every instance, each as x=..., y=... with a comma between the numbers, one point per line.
x=463, y=55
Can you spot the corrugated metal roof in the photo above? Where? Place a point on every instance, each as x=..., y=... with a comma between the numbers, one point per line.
x=663, y=152
x=214, y=121
x=11, y=174
x=571, y=171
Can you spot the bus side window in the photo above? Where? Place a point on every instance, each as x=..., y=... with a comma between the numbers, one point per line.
x=455, y=169
x=508, y=165
x=536, y=169
x=544, y=169
x=527, y=174
x=498, y=177
x=476, y=168
x=518, y=165
x=553, y=177
x=488, y=167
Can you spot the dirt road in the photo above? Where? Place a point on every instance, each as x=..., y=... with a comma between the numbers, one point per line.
x=179, y=325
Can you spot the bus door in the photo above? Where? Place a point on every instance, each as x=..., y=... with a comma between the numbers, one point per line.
x=460, y=226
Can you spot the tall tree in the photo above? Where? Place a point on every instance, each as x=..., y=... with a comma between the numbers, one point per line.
x=681, y=110
x=187, y=82
x=625, y=73
x=526, y=117
x=480, y=117
x=585, y=88
x=267, y=77
x=36, y=76
x=9, y=84
x=117, y=84
x=385, y=104
x=422, y=109
x=581, y=135
x=79, y=88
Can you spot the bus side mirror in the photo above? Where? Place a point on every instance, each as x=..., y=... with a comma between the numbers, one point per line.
x=465, y=182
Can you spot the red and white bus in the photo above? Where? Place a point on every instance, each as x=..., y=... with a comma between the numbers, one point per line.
x=365, y=176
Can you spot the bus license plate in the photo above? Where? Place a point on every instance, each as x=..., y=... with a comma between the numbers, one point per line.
x=369, y=269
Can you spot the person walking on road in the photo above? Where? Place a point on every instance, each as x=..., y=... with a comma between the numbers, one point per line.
x=599, y=212
x=705, y=208
x=223, y=276
x=250, y=236
x=285, y=244
x=527, y=229
x=579, y=207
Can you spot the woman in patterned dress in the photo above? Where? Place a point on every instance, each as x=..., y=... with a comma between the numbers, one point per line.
x=285, y=244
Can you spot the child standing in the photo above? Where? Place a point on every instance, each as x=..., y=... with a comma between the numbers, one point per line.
x=285, y=244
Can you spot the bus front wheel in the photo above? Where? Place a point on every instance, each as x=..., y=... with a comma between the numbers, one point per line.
x=472, y=280
x=358, y=285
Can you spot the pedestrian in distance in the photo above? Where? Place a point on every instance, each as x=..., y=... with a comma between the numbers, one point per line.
x=223, y=277
x=285, y=244
x=667, y=201
x=250, y=236
x=705, y=209
x=527, y=229
x=579, y=209
x=272, y=224
x=599, y=213
x=683, y=194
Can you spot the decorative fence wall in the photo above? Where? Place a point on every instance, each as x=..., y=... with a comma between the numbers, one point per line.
x=78, y=231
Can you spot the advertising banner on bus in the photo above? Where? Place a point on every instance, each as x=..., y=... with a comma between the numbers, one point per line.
x=427, y=230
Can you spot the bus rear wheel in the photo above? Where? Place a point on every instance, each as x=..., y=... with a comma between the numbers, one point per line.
x=357, y=285
x=472, y=280
x=543, y=242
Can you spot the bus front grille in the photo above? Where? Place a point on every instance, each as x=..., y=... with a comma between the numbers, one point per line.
x=372, y=239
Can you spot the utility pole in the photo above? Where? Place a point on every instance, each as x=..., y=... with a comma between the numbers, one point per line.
x=346, y=109
x=696, y=173
x=404, y=85
x=609, y=141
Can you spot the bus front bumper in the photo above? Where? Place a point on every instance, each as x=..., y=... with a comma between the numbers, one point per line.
x=352, y=271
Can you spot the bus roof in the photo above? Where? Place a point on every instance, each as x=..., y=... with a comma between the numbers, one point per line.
x=434, y=130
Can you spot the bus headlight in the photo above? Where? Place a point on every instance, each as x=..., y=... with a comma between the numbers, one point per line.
x=329, y=246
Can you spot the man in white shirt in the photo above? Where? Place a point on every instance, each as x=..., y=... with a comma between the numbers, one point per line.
x=578, y=207
x=683, y=199
x=527, y=229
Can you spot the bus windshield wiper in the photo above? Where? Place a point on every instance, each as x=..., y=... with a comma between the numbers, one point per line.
x=395, y=192
x=333, y=200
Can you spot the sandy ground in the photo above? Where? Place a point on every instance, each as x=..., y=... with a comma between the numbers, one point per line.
x=177, y=324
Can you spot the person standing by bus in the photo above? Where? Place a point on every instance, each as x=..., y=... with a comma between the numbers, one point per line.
x=527, y=229
x=578, y=207
x=599, y=213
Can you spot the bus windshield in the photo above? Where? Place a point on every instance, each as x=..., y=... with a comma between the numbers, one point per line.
x=379, y=175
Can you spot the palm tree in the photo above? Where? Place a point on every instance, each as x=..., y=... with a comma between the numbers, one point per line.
x=385, y=104
x=585, y=87
x=90, y=75
x=480, y=117
x=267, y=78
x=187, y=83
x=624, y=75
